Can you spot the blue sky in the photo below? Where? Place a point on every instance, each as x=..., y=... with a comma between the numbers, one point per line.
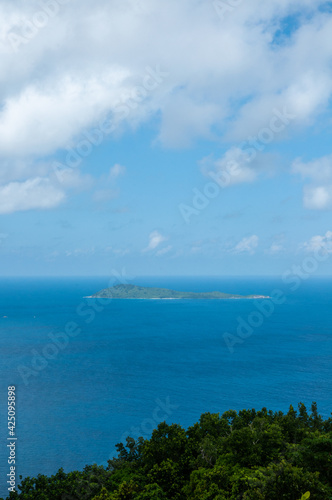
x=116, y=120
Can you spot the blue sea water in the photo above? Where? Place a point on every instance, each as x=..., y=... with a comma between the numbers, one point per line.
x=135, y=362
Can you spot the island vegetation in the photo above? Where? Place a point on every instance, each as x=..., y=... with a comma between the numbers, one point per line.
x=250, y=455
x=143, y=292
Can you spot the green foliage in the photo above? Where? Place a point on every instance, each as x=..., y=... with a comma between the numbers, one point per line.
x=144, y=292
x=151, y=492
x=276, y=481
x=305, y=496
x=246, y=455
x=103, y=495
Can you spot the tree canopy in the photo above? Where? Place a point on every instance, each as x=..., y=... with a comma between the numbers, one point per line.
x=250, y=455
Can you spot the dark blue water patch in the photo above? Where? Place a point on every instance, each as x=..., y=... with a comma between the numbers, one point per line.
x=134, y=359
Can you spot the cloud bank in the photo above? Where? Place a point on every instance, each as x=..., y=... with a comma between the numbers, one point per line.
x=69, y=66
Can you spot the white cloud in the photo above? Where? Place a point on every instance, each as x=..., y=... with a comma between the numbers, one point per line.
x=70, y=178
x=247, y=245
x=194, y=121
x=104, y=195
x=89, y=79
x=121, y=251
x=41, y=119
x=79, y=252
x=317, y=198
x=155, y=239
x=163, y=251
x=117, y=60
x=232, y=168
x=318, y=170
x=275, y=249
x=317, y=195
x=318, y=242
x=196, y=249
x=21, y=169
x=35, y=193
x=116, y=171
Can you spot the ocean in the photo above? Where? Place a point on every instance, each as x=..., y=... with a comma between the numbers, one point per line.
x=89, y=373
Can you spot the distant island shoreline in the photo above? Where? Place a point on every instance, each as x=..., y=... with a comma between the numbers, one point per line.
x=134, y=292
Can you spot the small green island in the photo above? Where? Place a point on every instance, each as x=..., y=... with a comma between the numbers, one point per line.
x=143, y=292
